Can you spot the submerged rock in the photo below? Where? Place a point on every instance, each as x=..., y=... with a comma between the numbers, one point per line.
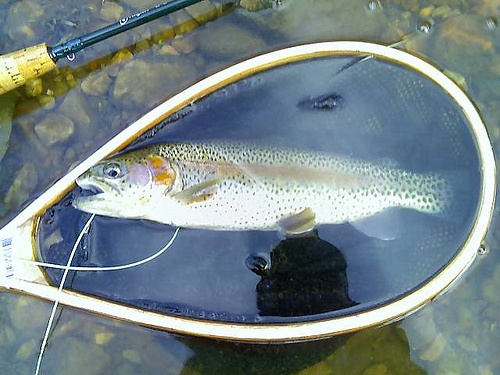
x=467, y=344
x=54, y=128
x=77, y=355
x=202, y=12
x=167, y=49
x=143, y=84
x=23, y=20
x=96, y=84
x=340, y=19
x=490, y=291
x=232, y=41
x=464, y=44
x=26, y=314
x=27, y=350
x=111, y=11
x=184, y=44
x=256, y=5
x=132, y=356
x=33, y=87
x=183, y=22
x=121, y=55
x=22, y=187
x=47, y=101
x=487, y=8
x=103, y=337
x=435, y=349
x=75, y=107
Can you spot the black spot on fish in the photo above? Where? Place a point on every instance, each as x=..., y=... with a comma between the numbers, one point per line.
x=327, y=102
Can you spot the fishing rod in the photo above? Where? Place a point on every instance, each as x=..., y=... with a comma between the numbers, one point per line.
x=19, y=66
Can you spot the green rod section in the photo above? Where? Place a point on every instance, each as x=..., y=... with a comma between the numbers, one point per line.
x=77, y=44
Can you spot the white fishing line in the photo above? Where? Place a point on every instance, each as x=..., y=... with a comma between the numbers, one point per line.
x=108, y=268
x=59, y=291
x=68, y=268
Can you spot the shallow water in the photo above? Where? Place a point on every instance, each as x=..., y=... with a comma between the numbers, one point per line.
x=99, y=94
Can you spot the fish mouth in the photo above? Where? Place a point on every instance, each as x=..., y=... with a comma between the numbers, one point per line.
x=93, y=187
x=89, y=190
x=94, y=193
x=93, y=197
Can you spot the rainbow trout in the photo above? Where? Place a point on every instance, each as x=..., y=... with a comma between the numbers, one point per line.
x=233, y=186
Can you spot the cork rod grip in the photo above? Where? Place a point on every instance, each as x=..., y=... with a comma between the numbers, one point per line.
x=19, y=66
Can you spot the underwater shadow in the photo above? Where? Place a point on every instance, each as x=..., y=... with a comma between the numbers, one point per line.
x=306, y=276
x=384, y=350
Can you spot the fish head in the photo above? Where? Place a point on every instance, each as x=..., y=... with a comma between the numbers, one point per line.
x=125, y=186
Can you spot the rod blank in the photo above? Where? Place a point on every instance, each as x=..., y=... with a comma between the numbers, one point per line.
x=125, y=24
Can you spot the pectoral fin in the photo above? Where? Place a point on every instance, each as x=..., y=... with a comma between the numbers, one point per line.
x=198, y=193
x=300, y=223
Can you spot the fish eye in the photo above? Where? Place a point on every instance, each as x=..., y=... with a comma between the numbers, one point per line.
x=112, y=170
